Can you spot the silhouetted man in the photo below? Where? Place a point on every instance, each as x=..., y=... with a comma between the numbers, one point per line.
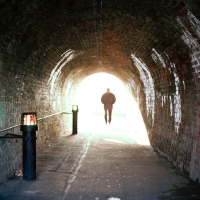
x=108, y=99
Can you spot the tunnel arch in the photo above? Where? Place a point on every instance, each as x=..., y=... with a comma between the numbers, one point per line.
x=151, y=45
x=94, y=86
x=126, y=116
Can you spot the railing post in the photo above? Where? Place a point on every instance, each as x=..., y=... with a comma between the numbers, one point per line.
x=75, y=119
x=29, y=127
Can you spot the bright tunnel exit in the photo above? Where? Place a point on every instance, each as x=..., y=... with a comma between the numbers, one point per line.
x=126, y=117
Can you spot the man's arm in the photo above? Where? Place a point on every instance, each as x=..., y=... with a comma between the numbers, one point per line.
x=102, y=99
x=114, y=98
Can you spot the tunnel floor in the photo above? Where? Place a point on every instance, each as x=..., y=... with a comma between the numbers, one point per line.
x=102, y=164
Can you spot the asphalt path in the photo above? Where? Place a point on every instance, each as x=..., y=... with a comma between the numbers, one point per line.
x=102, y=162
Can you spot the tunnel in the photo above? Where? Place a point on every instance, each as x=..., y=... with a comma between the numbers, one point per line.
x=48, y=47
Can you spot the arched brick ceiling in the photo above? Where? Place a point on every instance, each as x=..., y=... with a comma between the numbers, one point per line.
x=102, y=34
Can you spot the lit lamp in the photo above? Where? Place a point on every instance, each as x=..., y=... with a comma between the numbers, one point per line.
x=74, y=108
x=75, y=118
x=28, y=119
x=29, y=127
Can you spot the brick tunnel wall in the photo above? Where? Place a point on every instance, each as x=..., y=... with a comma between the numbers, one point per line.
x=48, y=47
x=24, y=88
x=176, y=111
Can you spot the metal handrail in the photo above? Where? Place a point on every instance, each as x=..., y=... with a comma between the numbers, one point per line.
x=41, y=118
x=9, y=128
x=53, y=115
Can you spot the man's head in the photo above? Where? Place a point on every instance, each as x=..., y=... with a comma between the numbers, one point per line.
x=108, y=90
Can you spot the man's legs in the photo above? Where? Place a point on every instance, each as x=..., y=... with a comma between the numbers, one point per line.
x=105, y=115
x=110, y=115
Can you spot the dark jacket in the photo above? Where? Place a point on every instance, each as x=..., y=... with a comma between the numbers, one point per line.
x=108, y=99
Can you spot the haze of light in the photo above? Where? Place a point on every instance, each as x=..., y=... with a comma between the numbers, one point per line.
x=126, y=115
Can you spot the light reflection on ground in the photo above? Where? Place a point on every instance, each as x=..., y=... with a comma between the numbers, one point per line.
x=121, y=130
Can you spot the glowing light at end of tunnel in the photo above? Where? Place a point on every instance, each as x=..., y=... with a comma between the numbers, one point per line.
x=91, y=88
x=126, y=117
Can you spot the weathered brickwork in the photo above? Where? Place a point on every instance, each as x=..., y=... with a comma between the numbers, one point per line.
x=48, y=47
x=24, y=88
x=195, y=167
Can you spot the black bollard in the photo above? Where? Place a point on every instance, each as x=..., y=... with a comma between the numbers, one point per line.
x=29, y=127
x=75, y=119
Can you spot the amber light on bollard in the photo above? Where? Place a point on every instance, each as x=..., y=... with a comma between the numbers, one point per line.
x=29, y=119
x=75, y=118
x=29, y=127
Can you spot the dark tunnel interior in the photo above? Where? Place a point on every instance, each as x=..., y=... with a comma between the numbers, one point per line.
x=48, y=47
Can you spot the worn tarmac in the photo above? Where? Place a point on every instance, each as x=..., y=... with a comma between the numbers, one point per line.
x=105, y=164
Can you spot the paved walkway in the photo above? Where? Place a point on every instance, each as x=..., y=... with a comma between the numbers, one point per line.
x=103, y=164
